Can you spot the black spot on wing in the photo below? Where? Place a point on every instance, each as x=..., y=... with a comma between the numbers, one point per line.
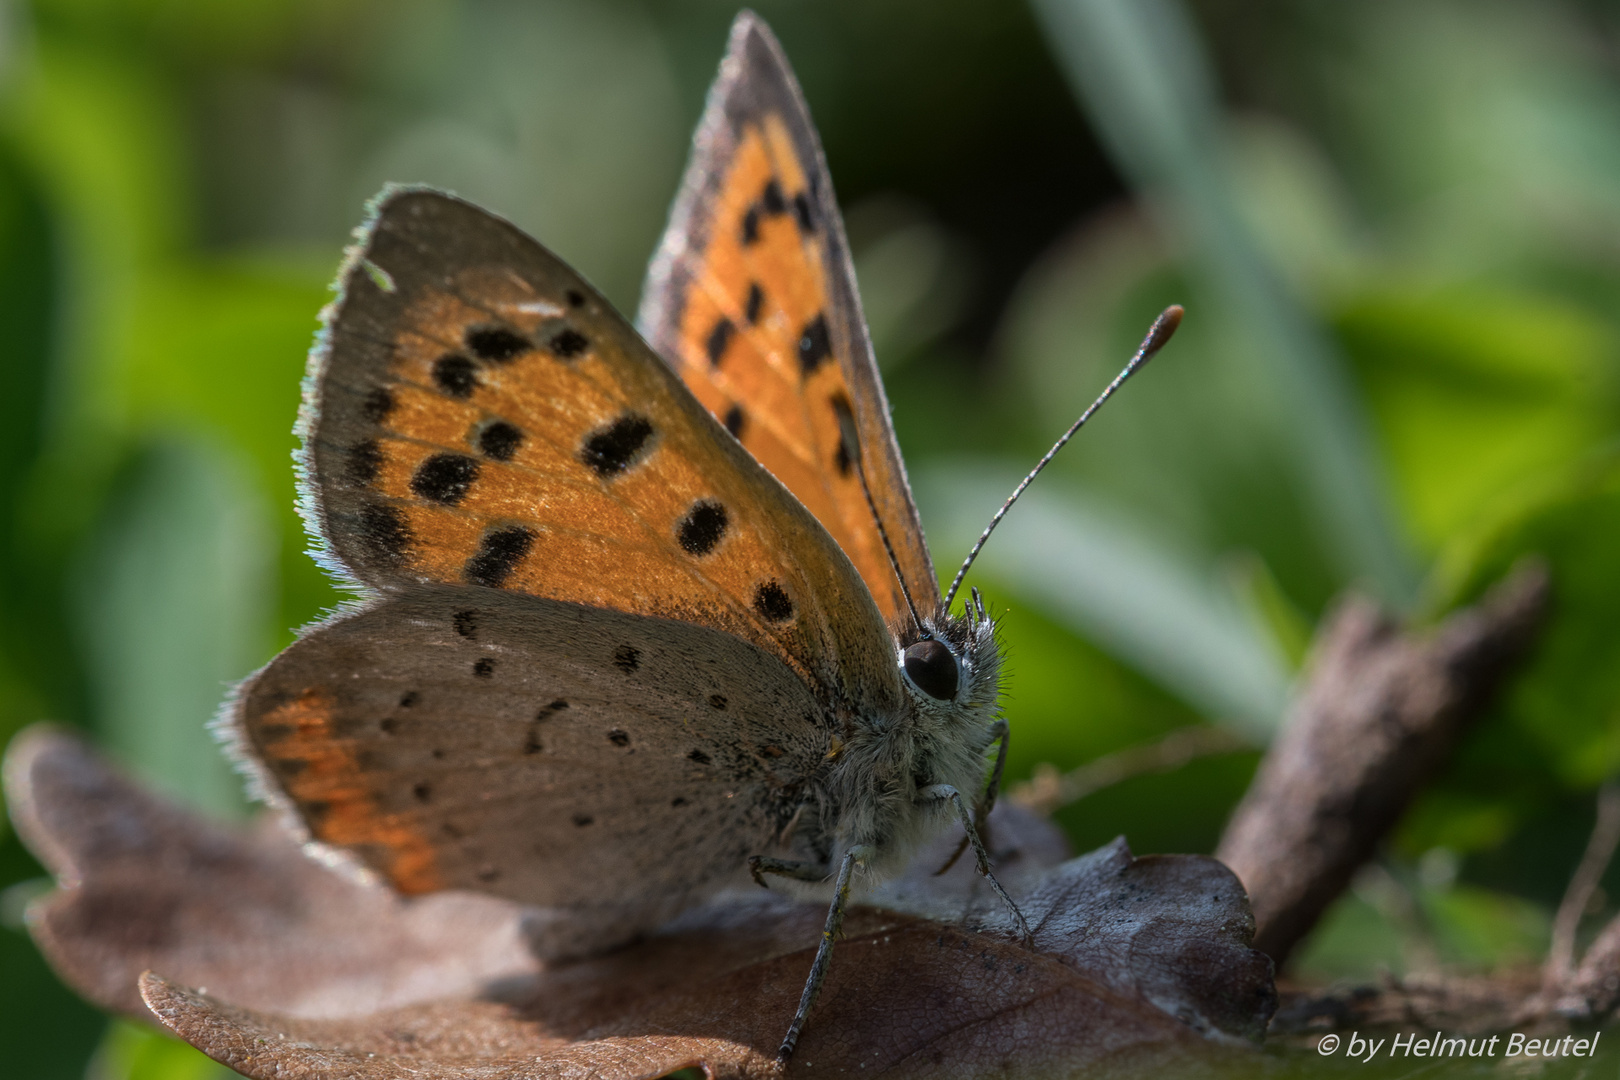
x=423, y=792
x=466, y=624
x=717, y=701
x=484, y=668
x=445, y=478
x=703, y=527
x=410, y=699
x=773, y=603
x=499, y=440
x=719, y=338
x=849, y=449
x=619, y=737
x=612, y=449
x=750, y=225
x=735, y=420
x=814, y=344
x=700, y=757
x=756, y=300
x=803, y=213
x=383, y=534
x=455, y=376
x=497, y=344
x=568, y=343
x=627, y=658
x=499, y=553
x=378, y=403
x=582, y=820
x=531, y=743
x=575, y=298
x=365, y=458
x=771, y=199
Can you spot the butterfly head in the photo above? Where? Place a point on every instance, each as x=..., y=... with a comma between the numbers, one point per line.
x=955, y=665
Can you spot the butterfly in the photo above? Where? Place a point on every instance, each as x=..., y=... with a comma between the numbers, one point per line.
x=639, y=616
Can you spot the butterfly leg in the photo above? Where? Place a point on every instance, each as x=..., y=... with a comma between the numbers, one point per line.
x=987, y=800
x=760, y=865
x=855, y=856
x=947, y=792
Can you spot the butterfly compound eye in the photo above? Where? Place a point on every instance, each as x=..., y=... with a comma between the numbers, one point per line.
x=932, y=667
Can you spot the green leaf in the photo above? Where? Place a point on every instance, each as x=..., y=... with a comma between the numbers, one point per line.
x=131, y=1051
x=1480, y=393
x=1555, y=733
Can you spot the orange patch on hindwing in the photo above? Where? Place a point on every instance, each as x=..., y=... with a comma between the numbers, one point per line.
x=321, y=772
x=755, y=341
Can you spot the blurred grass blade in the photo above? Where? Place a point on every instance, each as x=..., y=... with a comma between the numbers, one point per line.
x=1141, y=76
x=1095, y=570
x=174, y=603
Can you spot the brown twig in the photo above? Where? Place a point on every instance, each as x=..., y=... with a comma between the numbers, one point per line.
x=1559, y=997
x=1049, y=790
x=1599, y=851
x=1594, y=989
x=1379, y=713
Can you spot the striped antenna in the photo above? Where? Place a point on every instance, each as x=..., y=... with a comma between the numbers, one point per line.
x=1163, y=327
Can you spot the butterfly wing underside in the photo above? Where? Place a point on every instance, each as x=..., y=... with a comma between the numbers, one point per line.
x=489, y=446
x=478, y=414
x=752, y=299
x=609, y=768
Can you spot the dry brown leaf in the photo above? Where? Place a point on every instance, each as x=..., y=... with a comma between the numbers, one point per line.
x=311, y=974
x=147, y=885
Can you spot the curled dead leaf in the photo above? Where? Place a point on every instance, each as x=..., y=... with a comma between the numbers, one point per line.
x=279, y=967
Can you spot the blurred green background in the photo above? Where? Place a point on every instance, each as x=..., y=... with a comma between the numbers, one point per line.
x=1395, y=226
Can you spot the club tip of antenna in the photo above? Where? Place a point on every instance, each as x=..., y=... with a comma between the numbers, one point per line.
x=1163, y=327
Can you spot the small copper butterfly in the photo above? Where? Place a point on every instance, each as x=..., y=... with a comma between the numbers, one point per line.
x=639, y=615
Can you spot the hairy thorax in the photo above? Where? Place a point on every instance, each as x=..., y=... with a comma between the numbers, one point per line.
x=881, y=789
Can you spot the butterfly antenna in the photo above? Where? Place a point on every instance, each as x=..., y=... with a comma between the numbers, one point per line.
x=1163, y=327
x=852, y=450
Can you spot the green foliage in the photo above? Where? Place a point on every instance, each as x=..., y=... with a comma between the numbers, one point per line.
x=1393, y=225
x=134, y=1052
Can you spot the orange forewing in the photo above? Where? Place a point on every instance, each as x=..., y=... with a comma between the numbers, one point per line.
x=752, y=299
x=631, y=525
x=750, y=349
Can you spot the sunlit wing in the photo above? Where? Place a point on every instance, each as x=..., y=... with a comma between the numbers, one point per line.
x=752, y=299
x=477, y=414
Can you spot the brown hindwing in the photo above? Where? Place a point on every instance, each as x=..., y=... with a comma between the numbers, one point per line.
x=466, y=737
